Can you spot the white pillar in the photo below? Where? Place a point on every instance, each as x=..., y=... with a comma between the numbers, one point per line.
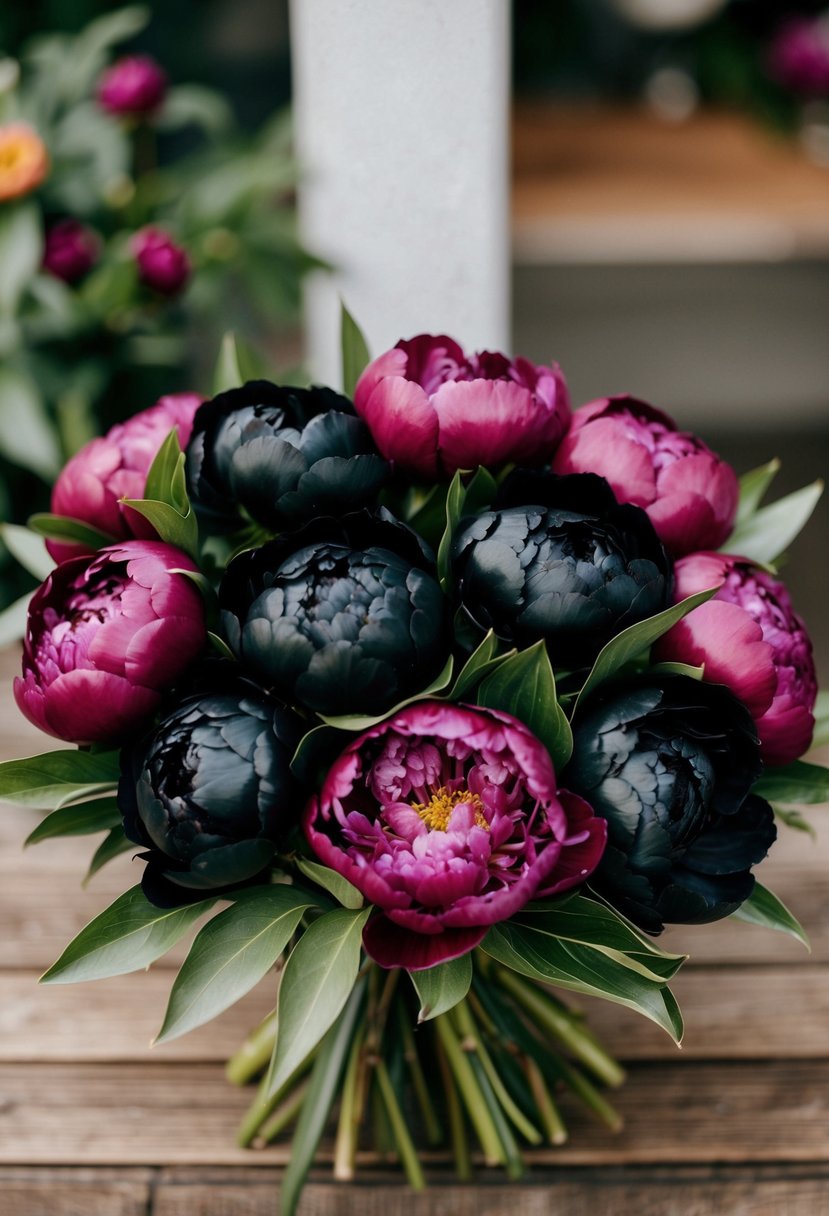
x=401, y=113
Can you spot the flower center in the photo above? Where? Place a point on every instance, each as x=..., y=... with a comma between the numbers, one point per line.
x=437, y=812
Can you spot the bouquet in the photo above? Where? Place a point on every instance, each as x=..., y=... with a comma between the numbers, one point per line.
x=431, y=703
x=134, y=214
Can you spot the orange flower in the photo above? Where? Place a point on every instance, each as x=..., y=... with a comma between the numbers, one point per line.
x=24, y=160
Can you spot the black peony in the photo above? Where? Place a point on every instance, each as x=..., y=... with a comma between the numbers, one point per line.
x=559, y=558
x=283, y=454
x=670, y=767
x=343, y=617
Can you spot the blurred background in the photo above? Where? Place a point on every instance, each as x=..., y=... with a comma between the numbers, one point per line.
x=670, y=222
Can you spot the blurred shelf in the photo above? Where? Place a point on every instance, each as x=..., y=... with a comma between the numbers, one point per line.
x=616, y=185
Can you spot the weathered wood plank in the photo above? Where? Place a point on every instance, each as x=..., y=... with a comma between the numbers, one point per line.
x=566, y=1192
x=187, y=1115
x=753, y=1013
x=75, y=1192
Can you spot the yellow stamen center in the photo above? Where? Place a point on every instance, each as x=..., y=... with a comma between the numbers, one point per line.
x=437, y=812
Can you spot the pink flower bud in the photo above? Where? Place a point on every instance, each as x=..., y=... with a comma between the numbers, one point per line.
x=162, y=264
x=71, y=250
x=134, y=85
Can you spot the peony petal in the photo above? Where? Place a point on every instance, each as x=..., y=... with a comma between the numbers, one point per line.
x=403, y=424
x=392, y=946
x=605, y=448
x=96, y=707
x=490, y=422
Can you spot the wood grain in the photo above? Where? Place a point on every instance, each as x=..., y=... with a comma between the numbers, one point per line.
x=47, y=1192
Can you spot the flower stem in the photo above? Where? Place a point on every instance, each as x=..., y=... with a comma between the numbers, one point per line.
x=466, y=1026
x=285, y=1114
x=548, y=1013
x=254, y=1054
x=590, y=1096
x=345, y=1147
x=470, y=1091
x=431, y=1122
x=405, y=1145
x=454, y=1111
x=513, y=1162
x=548, y=1111
x=263, y=1106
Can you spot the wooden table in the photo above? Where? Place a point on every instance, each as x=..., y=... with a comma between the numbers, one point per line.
x=94, y=1123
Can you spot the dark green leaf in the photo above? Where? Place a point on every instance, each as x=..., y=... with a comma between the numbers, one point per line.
x=677, y=669
x=765, y=909
x=165, y=479
x=801, y=783
x=231, y=954
x=220, y=646
x=79, y=819
x=753, y=487
x=332, y=882
x=318, y=978
x=636, y=640
x=524, y=686
x=60, y=527
x=480, y=663
x=766, y=534
x=355, y=353
x=441, y=988
x=128, y=936
x=171, y=526
x=53, y=778
x=455, y=496
x=236, y=365
x=113, y=845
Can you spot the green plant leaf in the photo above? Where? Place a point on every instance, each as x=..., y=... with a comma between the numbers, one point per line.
x=441, y=988
x=21, y=248
x=28, y=549
x=766, y=534
x=235, y=366
x=27, y=437
x=332, y=882
x=79, y=819
x=128, y=936
x=636, y=640
x=171, y=526
x=455, y=497
x=753, y=487
x=61, y=527
x=793, y=819
x=357, y=722
x=580, y=968
x=231, y=954
x=677, y=669
x=53, y=778
x=323, y=1087
x=318, y=977
x=765, y=909
x=821, y=733
x=483, y=660
x=113, y=845
x=165, y=477
x=13, y=620
x=801, y=783
x=524, y=686
x=355, y=353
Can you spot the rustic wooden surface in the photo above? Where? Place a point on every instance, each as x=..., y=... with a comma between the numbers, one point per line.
x=95, y=1123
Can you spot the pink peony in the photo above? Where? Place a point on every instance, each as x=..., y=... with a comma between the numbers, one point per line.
x=134, y=85
x=105, y=637
x=433, y=410
x=688, y=492
x=448, y=819
x=162, y=264
x=70, y=251
x=750, y=638
x=116, y=466
x=799, y=56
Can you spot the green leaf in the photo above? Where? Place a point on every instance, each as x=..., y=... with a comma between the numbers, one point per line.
x=821, y=733
x=129, y=935
x=28, y=549
x=677, y=669
x=113, y=845
x=356, y=357
x=524, y=686
x=455, y=497
x=332, y=882
x=192, y=104
x=580, y=968
x=231, y=954
x=801, y=783
x=61, y=527
x=13, y=620
x=171, y=526
x=753, y=487
x=636, y=640
x=53, y=778
x=358, y=722
x=79, y=819
x=229, y=367
x=165, y=477
x=441, y=988
x=318, y=978
x=27, y=437
x=793, y=818
x=322, y=1089
x=21, y=248
x=765, y=909
x=766, y=534
x=483, y=660
x=220, y=646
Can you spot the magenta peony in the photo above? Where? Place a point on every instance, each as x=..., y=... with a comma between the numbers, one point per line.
x=105, y=638
x=688, y=492
x=116, y=466
x=133, y=86
x=799, y=56
x=162, y=264
x=432, y=409
x=448, y=819
x=750, y=638
x=70, y=250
